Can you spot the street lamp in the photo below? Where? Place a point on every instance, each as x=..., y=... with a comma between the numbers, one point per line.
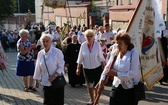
x=84, y=16
x=80, y=17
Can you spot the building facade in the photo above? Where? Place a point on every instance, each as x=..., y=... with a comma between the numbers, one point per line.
x=122, y=10
x=76, y=12
x=18, y=21
x=116, y=12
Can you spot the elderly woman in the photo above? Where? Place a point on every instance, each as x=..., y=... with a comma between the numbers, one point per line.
x=49, y=65
x=91, y=56
x=124, y=70
x=25, y=59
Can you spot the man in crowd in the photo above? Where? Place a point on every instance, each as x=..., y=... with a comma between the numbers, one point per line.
x=108, y=35
x=81, y=37
x=57, y=37
x=99, y=34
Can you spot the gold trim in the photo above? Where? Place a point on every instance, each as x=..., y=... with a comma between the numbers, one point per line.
x=150, y=72
x=149, y=87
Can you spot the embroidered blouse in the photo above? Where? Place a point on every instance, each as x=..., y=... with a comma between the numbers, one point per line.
x=29, y=56
x=90, y=59
x=127, y=69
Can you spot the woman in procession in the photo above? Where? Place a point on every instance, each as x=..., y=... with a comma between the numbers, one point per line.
x=71, y=56
x=124, y=70
x=92, y=59
x=49, y=65
x=25, y=60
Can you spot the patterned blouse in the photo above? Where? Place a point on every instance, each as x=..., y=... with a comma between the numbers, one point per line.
x=27, y=57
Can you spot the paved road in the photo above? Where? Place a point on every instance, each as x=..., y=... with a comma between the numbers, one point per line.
x=11, y=91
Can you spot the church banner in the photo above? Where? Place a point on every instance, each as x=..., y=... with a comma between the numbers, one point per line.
x=142, y=29
x=158, y=73
x=55, y=3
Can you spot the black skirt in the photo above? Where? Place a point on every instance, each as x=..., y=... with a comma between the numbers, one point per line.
x=121, y=96
x=53, y=96
x=92, y=76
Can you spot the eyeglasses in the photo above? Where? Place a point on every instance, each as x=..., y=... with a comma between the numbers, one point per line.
x=45, y=41
x=89, y=36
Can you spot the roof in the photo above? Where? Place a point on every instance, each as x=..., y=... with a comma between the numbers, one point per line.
x=123, y=7
x=80, y=5
x=121, y=16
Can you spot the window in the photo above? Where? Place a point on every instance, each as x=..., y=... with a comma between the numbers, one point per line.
x=108, y=3
x=122, y=2
x=130, y=2
x=116, y=2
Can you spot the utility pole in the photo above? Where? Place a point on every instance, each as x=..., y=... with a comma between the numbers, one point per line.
x=19, y=13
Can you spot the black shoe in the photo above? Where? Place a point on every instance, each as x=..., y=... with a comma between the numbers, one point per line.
x=26, y=89
x=32, y=89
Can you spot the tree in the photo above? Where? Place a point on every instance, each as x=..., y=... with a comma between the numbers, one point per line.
x=25, y=5
x=94, y=6
x=7, y=7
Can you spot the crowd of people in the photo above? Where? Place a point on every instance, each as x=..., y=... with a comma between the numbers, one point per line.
x=88, y=55
x=85, y=52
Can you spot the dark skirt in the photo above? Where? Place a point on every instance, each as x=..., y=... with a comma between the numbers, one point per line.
x=73, y=78
x=25, y=68
x=53, y=96
x=121, y=96
x=92, y=76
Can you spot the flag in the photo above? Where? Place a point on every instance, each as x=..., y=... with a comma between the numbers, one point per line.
x=55, y=3
x=160, y=24
x=144, y=29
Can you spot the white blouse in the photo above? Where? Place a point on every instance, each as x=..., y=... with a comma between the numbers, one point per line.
x=81, y=38
x=93, y=59
x=127, y=69
x=107, y=36
x=55, y=63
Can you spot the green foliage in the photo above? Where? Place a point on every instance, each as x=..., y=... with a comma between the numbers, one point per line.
x=6, y=8
x=94, y=6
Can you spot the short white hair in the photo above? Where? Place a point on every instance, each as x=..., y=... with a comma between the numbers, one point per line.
x=23, y=31
x=44, y=35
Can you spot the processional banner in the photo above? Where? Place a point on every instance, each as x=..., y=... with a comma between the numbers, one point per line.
x=144, y=29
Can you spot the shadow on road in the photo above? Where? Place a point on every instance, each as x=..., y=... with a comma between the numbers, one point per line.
x=6, y=99
x=157, y=94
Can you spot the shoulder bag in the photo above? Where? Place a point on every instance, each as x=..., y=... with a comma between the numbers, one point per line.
x=59, y=81
x=140, y=87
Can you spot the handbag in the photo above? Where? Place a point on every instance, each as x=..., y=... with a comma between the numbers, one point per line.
x=59, y=81
x=139, y=91
x=140, y=87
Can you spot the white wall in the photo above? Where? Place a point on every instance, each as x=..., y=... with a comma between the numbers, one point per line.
x=38, y=11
